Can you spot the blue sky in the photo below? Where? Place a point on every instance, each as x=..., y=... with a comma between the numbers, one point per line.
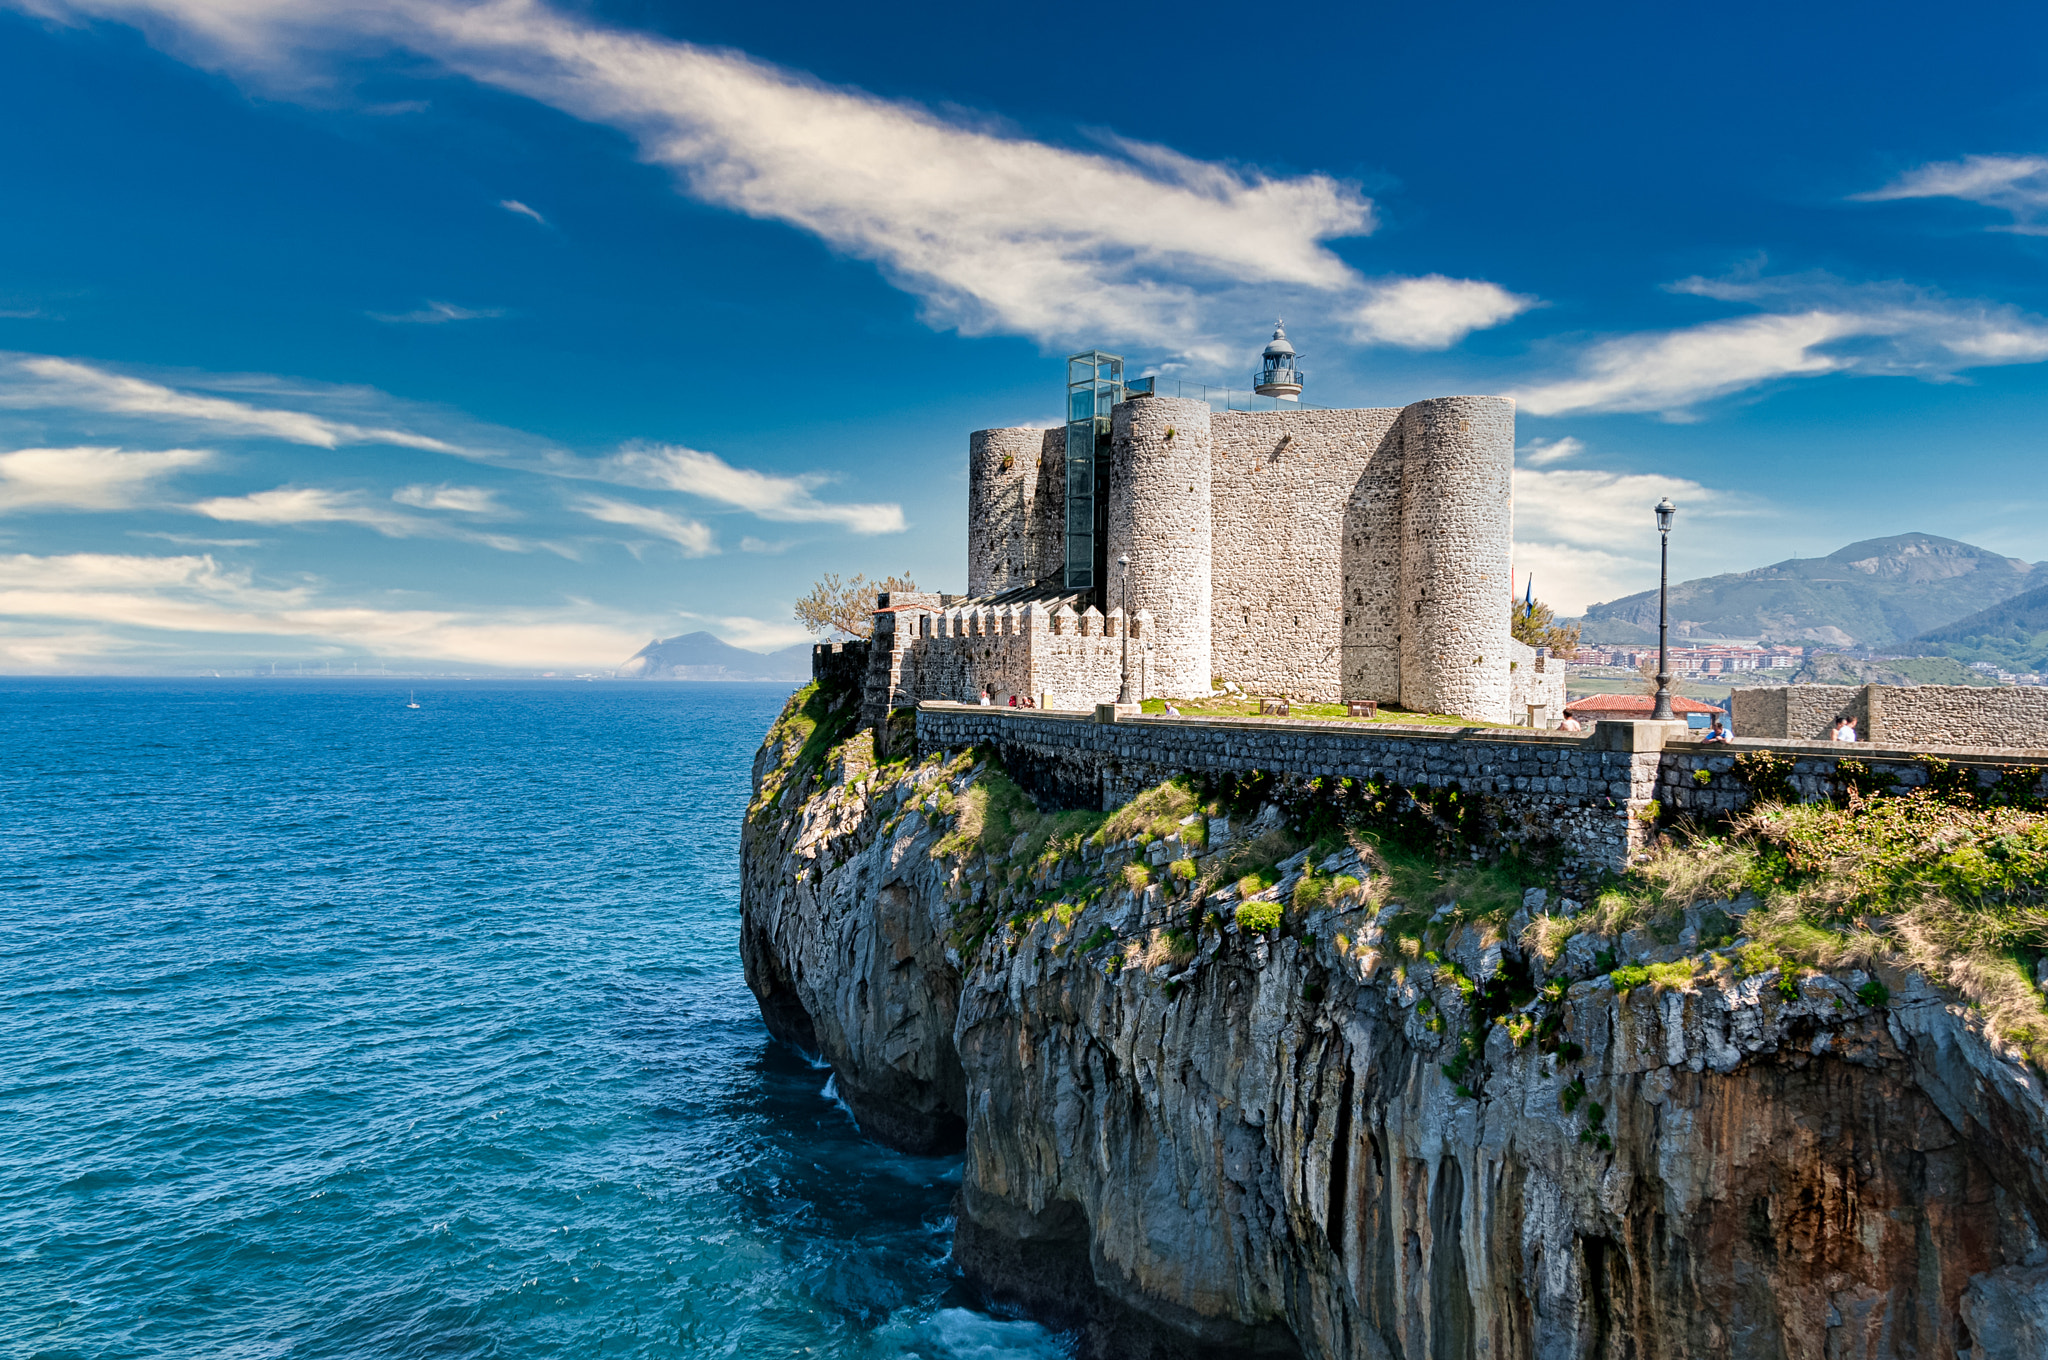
x=454, y=337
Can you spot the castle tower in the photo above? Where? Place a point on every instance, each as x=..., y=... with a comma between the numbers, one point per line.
x=1457, y=528
x=1002, y=483
x=1159, y=514
x=1277, y=375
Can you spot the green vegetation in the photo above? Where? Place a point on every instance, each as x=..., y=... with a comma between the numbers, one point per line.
x=1949, y=878
x=1258, y=916
x=812, y=723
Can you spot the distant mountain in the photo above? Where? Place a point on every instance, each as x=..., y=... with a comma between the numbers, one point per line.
x=700, y=656
x=2012, y=634
x=1876, y=593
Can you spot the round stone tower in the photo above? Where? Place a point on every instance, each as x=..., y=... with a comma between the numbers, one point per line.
x=1159, y=514
x=1002, y=475
x=1457, y=529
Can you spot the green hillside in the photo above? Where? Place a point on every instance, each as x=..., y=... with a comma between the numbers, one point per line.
x=2012, y=634
x=1877, y=593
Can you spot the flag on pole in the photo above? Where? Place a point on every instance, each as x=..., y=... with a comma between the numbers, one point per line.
x=1529, y=599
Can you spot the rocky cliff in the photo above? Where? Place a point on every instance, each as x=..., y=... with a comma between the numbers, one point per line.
x=1303, y=1110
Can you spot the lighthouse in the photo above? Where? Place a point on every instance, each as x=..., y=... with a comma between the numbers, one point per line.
x=1278, y=377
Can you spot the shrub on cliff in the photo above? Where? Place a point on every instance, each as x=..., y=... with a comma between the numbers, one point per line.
x=1933, y=880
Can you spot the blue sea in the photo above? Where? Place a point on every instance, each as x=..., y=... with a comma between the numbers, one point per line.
x=333, y=1027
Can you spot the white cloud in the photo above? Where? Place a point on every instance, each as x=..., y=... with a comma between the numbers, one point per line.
x=513, y=205
x=1591, y=536
x=308, y=505
x=751, y=544
x=1434, y=312
x=299, y=505
x=29, y=381
x=2017, y=184
x=693, y=538
x=1544, y=452
x=438, y=314
x=1816, y=325
x=150, y=597
x=468, y=500
x=670, y=467
x=758, y=635
x=87, y=477
x=994, y=231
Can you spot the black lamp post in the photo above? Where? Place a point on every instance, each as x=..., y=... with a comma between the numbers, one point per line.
x=1123, y=579
x=1665, y=510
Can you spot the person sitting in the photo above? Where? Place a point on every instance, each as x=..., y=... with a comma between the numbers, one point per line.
x=1715, y=732
x=1171, y=711
x=1570, y=724
x=1845, y=730
x=1013, y=701
x=987, y=697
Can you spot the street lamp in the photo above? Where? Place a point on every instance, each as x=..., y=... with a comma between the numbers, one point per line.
x=1123, y=578
x=1665, y=510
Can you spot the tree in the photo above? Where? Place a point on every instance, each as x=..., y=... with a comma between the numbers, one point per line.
x=1536, y=625
x=847, y=609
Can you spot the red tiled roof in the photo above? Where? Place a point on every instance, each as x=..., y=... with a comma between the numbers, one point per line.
x=1632, y=705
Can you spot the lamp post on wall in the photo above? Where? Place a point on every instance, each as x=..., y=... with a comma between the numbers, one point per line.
x=1665, y=510
x=1123, y=580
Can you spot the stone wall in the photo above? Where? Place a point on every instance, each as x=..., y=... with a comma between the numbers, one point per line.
x=1058, y=658
x=1299, y=501
x=1936, y=715
x=1534, y=682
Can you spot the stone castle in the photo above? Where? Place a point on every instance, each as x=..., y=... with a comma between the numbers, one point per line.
x=1312, y=554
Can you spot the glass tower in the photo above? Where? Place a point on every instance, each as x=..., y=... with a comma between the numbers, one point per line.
x=1095, y=383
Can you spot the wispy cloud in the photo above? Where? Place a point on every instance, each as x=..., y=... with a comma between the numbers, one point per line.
x=995, y=232
x=2016, y=184
x=1813, y=324
x=513, y=205
x=438, y=314
x=31, y=381
x=1544, y=452
x=670, y=467
x=155, y=597
x=88, y=477
x=692, y=537
x=305, y=505
x=467, y=500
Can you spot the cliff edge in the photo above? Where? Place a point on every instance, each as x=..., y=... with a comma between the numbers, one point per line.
x=1232, y=1075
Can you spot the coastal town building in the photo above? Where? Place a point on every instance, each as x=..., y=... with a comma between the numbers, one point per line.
x=1155, y=545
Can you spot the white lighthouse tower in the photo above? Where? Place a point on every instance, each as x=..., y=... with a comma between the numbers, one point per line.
x=1278, y=377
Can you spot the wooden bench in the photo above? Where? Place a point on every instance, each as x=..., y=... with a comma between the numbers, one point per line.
x=1362, y=708
x=1273, y=708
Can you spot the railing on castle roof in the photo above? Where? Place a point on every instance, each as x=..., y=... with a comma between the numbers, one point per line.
x=1231, y=398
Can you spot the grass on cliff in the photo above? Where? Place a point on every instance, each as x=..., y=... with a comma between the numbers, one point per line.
x=1924, y=880
x=815, y=720
x=996, y=818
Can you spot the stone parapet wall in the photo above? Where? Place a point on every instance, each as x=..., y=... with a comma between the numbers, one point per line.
x=1586, y=797
x=1971, y=716
x=1591, y=793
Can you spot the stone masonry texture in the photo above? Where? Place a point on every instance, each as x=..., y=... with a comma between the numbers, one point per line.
x=1159, y=518
x=1320, y=555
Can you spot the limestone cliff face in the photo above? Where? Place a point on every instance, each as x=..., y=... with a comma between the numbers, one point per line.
x=1272, y=1144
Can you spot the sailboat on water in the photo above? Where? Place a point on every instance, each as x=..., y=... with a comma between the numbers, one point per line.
x=411, y=702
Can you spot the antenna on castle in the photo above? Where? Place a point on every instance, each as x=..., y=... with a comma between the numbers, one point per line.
x=1277, y=376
